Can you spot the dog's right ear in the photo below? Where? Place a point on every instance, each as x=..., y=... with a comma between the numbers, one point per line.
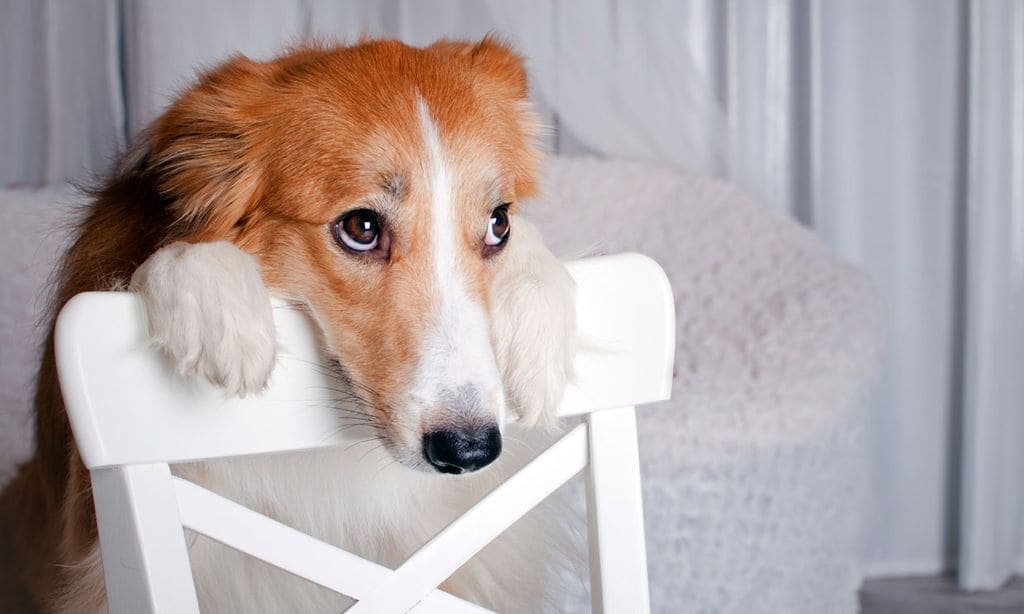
x=202, y=154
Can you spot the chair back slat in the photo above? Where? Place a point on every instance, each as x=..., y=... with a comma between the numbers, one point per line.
x=459, y=541
x=250, y=532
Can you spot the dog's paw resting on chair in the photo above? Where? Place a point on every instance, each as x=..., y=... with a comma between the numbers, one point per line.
x=534, y=326
x=210, y=311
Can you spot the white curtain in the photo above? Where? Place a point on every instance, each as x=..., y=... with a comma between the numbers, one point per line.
x=992, y=485
x=61, y=105
x=894, y=129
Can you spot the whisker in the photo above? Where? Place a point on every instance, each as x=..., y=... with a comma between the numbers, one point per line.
x=371, y=451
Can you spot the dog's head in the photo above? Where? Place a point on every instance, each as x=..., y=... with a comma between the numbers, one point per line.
x=378, y=185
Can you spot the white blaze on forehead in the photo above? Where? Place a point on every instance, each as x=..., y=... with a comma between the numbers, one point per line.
x=458, y=354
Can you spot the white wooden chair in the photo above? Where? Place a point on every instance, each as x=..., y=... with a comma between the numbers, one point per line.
x=132, y=416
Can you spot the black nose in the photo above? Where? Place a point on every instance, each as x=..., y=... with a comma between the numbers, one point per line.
x=462, y=450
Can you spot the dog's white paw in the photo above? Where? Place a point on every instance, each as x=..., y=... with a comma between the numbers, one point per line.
x=534, y=324
x=210, y=311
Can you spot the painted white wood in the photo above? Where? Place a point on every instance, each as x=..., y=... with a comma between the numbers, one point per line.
x=460, y=540
x=615, y=517
x=286, y=548
x=626, y=313
x=625, y=307
x=145, y=560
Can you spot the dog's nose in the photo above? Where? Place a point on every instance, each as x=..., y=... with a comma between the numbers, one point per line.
x=462, y=450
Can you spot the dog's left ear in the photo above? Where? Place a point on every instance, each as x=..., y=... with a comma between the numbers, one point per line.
x=493, y=58
x=501, y=79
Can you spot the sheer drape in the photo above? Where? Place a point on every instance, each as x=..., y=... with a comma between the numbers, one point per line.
x=893, y=129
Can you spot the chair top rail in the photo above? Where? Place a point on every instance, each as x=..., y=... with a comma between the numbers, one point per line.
x=126, y=405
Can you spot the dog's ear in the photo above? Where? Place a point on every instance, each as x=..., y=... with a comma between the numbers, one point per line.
x=534, y=326
x=202, y=155
x=493, y=58
x=501, y=75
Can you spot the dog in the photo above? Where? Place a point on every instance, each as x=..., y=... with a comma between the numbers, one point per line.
x=379, y=187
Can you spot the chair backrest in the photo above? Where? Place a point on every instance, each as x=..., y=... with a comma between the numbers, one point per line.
x=131, y=416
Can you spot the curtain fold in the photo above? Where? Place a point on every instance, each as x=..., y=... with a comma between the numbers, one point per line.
x=62, y=111
x=167, y=43
x=22, y=109
x=991, y=543
x=603, y=68
x=888, y=195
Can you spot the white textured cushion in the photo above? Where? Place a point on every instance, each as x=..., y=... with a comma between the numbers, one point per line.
x=752, y=470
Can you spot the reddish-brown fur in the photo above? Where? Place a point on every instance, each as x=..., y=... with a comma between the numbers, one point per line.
x=266, y=155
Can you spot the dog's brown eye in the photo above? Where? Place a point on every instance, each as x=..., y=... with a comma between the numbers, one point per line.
x=497, y=229
x=358, y=231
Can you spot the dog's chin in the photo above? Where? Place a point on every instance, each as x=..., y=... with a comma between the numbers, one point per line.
x=411, y=458
x=402, y=444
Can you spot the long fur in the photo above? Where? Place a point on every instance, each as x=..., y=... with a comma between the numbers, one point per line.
x=186, y=219
x=208, y=308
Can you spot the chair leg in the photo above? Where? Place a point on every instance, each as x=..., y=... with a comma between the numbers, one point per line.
x=145, y=560
x=618, y=553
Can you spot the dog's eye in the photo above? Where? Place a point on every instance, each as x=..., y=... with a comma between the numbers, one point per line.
x=358, y=230
x=498, y=229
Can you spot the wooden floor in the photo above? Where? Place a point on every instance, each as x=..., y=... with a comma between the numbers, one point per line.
x=937, y=595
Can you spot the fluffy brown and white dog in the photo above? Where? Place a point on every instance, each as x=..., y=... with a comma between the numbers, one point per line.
x=379, y=187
